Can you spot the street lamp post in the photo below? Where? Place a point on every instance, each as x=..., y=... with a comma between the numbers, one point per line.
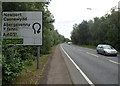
x=118, y=40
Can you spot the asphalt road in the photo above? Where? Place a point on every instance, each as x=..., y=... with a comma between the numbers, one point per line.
x=98, y=69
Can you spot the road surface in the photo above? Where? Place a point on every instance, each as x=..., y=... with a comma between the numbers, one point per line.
x=94, y=68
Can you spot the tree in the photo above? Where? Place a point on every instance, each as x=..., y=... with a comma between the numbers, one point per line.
x=104, y=30
x=22, y=55
x=80, y=33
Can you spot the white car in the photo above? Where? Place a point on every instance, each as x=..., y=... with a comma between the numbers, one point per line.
x=106, y=50
x=69, y=43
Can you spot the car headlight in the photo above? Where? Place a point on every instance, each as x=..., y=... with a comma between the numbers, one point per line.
x=116, y=52
x=107, y=51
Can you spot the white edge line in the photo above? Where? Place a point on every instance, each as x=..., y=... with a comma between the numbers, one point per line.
x=92, y=54
x=83, y=74
x=114, y=62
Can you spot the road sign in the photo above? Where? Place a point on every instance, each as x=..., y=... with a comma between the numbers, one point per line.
x=22, y=28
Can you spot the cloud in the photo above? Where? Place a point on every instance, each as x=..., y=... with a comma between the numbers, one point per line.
x=69, y=12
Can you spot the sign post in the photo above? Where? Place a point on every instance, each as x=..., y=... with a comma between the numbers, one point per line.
x=0, y=46
x=38, y=57
x=23, y=28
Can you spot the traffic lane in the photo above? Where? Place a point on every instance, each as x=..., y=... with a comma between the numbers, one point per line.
x=76, y=76
x=89, y=50
x=114, y=59
x=100, y=71
x=90, y=62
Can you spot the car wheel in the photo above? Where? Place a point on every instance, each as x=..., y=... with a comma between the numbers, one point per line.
x=97, y=52
x=104, y=53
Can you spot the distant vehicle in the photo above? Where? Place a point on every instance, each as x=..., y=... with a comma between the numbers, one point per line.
x=106, y=50
x=69, y=43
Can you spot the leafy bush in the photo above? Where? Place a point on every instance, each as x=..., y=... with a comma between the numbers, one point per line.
x=11, y=64
x=12, y=67
x=13, y=61
x=15, y=57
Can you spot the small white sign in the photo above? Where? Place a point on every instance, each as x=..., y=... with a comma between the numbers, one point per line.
x=24, y=28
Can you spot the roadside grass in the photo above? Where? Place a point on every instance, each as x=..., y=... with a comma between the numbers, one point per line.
x=30, y=74
x=119, y=52
x=87, y=46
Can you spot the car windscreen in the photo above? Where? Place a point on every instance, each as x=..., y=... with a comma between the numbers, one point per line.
x=108, y=47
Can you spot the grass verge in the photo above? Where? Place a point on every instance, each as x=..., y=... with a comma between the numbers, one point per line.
x=87, y=46
x=30, y=74
x=119, y=52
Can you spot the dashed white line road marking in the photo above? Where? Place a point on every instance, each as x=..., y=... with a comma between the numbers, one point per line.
x=98, y=56
x=83, y=74
x=114, y=62
x=79, y=50
x=92, y=54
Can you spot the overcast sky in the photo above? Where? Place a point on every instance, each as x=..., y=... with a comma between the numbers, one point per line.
x=69, y=12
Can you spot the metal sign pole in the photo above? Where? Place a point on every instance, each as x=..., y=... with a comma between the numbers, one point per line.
x=0, y=43
x=38, y=57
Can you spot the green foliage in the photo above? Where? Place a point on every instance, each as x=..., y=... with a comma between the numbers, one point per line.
x=104, y=30
x=15, y=57
x=13, y=60
x=11, y=64
x=88, y=46
x=78, y=33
